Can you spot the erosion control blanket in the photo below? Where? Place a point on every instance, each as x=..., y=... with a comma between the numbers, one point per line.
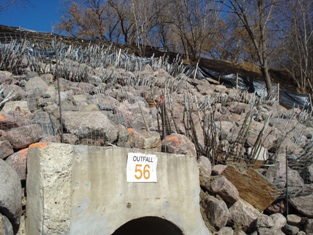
x=250, y=84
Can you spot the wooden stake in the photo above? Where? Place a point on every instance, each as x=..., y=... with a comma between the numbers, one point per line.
x=194, y=76
x=278, y=92
x=236, y=81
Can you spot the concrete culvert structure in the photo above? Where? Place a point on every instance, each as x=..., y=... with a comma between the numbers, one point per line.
x=148, y=225
x=79, y=190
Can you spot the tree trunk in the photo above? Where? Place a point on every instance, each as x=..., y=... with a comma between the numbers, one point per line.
x=267, y=79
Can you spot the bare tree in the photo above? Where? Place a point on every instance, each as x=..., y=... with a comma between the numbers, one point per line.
x=84, y=19
x=257, y=19
x=193, y=21
x=299, y=44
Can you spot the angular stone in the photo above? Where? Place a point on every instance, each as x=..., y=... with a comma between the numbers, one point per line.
x=7, y=122
x=279, y=220
x=94, y=125
x=218, y=169
x=143, y=139
x=225, y=231
x=16, y=105
x=89, y=108
x=22, y=137
x=293, y=219
x=179, y=144
x=18, y=162
x=48, y=123
x=244, y=215
x=252, y=187
x=308, y=228
x=36, y=86
x=290, y=229
x=269, y=231
x=6, y=149
x=277, y=207
x=303, y=204
x=225, y=189
x=264, y=221
x=10, y=194
x=205, y=166
x=216, y=211
x=310, y=173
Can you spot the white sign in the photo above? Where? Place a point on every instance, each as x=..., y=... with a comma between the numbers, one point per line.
x=141, y=167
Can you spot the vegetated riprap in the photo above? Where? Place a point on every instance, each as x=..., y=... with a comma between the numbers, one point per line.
x=103, y=96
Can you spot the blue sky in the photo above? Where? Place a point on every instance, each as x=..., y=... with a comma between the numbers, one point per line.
x=40, y=15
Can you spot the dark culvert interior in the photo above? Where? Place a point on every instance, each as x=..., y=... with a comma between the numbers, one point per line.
x=148, y=225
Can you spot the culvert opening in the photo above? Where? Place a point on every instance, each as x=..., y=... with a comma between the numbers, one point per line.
x=148, y=225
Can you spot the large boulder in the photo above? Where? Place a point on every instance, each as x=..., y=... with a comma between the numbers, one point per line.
x=144, y=139
x=179, y=144
x=308, y=228
x=279, y=221
x=90, y=125
x=205, y=169
x=244, y=215
x=225, y=189
x=22, y=137
x=303, y=204
x=48, y=122
x=20, y=105
x=10, y=194
x=6, y=149
x=216, y=211
x=18, y=162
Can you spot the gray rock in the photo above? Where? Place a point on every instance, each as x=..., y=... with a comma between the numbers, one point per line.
x=244, y=215
x=31, y=74
x=6, y=149
x=218, y=169
x=310, y=173
x=19, y=93
x=205, y=165
x=264, y=221
x=14, y=105
x=10, y=194
x=70, y=139
x=303, y=204
x=21, y=137
x=36, y=86
x=179, y=144
x=5, y=226
x=18, y=162
x=48, y=78
x=277, y=207
x=301, y=233
x=216, y=211
x=225, y=231
x=293, y=219
x=308, y=228
x=290, y=229
x=48, y=123
x=94, y=125
x=279, y=220
x=225, y=189
x=89, y=108
x=205, y=169
x=269, y=231
x=143, y=139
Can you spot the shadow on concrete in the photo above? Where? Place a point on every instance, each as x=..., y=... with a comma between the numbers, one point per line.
x=148, y=225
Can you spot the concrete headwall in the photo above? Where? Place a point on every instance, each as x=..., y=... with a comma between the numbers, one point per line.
x=83, y=190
